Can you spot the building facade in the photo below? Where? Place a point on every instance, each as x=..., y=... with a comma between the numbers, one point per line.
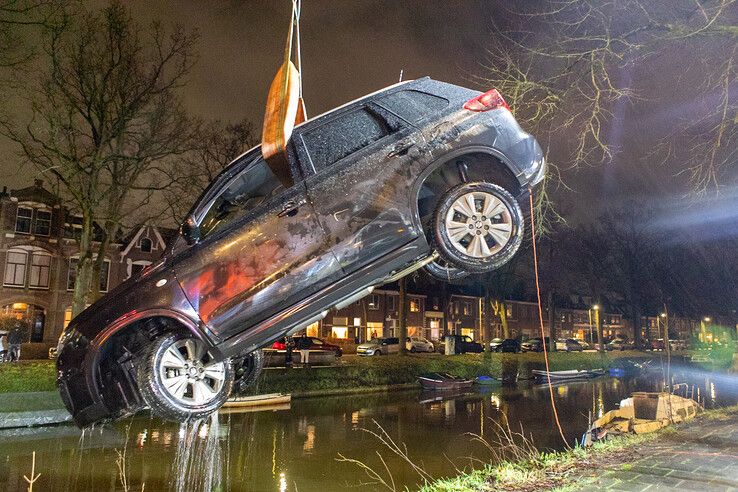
x=38, y=255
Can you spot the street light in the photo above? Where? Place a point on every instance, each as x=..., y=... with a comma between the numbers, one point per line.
x=663, y=315
x=707, y=319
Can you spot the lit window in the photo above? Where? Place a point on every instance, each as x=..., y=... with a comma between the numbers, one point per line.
x=39, y=274
x=43, y=223
x=467, y=308
x=15, y=268
x=357, y=321
x=146, y=245
x=339, y=332
x=23, y=220
x=414, y=305
x=67, y=316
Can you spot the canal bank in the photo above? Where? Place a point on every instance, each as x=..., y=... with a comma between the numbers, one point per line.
x=701, y=454
x=360, y=372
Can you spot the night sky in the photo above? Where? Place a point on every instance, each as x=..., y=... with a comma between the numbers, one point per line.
x=351, y=48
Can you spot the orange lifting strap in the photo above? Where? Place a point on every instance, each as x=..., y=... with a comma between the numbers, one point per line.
x=285, y=107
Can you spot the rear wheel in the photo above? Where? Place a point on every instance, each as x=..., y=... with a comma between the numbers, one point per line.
x=248, y=370
x=478, y=227
x=179, y=380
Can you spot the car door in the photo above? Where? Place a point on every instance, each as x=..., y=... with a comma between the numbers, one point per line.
x=261, y=250
x=356, y=166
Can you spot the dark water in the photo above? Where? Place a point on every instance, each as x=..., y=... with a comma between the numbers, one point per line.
x=296, y=448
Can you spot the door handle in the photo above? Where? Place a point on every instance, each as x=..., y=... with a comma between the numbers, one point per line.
x=401, y=148
x=291, y=207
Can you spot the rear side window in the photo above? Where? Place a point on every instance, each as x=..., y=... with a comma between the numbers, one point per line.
x=413, y=106
x=343, y=136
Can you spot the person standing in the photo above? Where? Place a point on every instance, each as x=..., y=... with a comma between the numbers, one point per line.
x=15, y=338
x=303, y=344
x=3, y=348
x=289, y=345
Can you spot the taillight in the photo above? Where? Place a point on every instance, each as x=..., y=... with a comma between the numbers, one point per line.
x=491, y=99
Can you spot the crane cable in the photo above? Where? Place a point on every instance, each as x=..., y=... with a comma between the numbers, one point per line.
x=540, y=317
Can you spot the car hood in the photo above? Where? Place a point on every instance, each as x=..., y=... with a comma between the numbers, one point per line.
x=367, y=345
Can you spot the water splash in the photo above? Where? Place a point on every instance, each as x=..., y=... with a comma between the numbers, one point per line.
x=198, y=462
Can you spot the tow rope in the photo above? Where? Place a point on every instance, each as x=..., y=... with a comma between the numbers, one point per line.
x=540, y=317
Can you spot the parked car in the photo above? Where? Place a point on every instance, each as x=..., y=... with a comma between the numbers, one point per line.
x=534, y=345
x=315, y=344
x=620, y=344
x=379, y=346
x=585, y=345
x=494, y=344
x=509, y=345
x=419, y=344
x=605, y=342
x=569, y=345
x=419, y=174
x=678, y=344
x=463, y=344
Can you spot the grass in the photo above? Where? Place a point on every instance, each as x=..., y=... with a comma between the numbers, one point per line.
x=358, y=373
x=27, y=376
x=559, y=471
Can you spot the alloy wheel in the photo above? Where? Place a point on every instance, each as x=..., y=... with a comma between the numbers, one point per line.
x=479, y=224
x=189, y=375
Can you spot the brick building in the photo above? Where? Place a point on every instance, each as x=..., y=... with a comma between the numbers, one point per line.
x=38, y=253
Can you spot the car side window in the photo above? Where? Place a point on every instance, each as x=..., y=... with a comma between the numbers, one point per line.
x=342, y=136
x=243, y=194
x=412, y=105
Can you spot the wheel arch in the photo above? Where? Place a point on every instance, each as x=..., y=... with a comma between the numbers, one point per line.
x=129, y=333
x=483, y=164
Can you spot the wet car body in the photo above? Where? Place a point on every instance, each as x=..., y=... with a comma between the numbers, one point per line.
x=351, y=220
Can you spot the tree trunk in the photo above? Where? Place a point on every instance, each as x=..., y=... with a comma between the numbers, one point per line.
x=636, y=320
x=551, y=321
x=501, y=309
x=487, y=329
x=84, y=276
x=402, y=310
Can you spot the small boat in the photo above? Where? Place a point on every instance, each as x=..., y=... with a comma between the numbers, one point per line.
x=487, y=380
x=258, y=400
x=441, y=381
x=566, y=375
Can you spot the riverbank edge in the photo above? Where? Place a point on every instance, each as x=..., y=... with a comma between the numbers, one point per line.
x=563, y=471
x=361, y=372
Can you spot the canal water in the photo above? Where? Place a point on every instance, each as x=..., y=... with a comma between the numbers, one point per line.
x=298, y=447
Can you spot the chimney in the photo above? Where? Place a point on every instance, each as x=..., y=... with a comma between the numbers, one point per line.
x=38, y=183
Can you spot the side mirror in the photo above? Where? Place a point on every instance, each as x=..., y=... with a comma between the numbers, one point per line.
x=190, y=231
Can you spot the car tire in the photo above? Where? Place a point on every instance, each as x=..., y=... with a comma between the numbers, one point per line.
x=248, y=370
x=439, y=269
x=377, y=352
x=473, y=253
x=165, y=360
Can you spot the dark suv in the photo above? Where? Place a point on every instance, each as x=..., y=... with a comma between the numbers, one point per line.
x=420, y=174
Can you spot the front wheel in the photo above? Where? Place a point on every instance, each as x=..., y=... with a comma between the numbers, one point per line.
x=179, y=380
x=377, y=352
x=478, y=227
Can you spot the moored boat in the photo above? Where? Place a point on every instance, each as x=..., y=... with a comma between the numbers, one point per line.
x=566, y=375
x=441, y=381
x=258, y=400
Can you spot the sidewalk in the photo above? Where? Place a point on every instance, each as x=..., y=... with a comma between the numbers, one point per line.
x=701, y=455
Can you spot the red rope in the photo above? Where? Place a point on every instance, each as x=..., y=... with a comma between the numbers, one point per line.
x=540, y=318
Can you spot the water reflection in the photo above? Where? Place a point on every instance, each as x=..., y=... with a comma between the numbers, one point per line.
x=296, y=448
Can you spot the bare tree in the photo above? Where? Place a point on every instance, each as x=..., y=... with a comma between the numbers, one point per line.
x=104, y=114
x=558, y=62
x=17, y=18
x=217, y=146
